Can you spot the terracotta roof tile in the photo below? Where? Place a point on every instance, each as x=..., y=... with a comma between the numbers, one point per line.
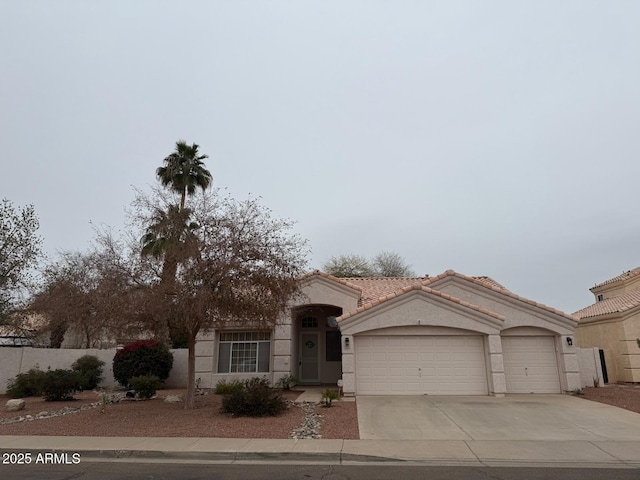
x=625, y=276
x=343, y=281
x=620, y=303
x=376, y=287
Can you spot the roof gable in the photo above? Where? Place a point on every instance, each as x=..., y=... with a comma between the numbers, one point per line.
x=494, y=287
x=373, y=315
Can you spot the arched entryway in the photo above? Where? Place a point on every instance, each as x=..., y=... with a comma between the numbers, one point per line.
x=317, y=353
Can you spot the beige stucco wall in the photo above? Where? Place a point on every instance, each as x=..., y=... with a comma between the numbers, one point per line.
x=322, y=291
x=629, y=349
x=607, y=336
x=419, y=308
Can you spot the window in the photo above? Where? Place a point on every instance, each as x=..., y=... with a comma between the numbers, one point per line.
x=600, y=297
x=244, y=352
x=309, y=322
x=333, y=346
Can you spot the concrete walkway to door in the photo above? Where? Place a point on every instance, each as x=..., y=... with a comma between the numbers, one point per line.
x=514, y=417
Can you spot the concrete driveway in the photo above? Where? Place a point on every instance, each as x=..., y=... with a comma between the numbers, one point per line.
x=516, y=417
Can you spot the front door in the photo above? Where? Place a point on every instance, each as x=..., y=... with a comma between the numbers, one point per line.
x=309, y=364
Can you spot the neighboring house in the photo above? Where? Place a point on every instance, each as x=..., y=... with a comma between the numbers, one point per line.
x=22, y=332
x=613, y=325
x=445, y=335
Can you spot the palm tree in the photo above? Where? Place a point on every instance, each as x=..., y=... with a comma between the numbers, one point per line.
x=184, y=171
x=169, y=235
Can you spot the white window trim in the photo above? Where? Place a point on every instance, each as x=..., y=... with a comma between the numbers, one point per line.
x=258, y=341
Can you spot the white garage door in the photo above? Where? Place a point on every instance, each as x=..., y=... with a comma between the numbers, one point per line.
x=530, y=365
x=415, y=365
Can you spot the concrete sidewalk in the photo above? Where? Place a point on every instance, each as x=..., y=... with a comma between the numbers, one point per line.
x=622, y=454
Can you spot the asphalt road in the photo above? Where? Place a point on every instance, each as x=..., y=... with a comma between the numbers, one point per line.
x=115, y=470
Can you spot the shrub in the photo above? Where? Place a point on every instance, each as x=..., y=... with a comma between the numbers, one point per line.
x=143, y=357
x=28, y=384
x=256, y=398
x=145, y=385
x=328, y=396
x=287, y=382
x=89, y=368
x=60, y=384
x=224, y=387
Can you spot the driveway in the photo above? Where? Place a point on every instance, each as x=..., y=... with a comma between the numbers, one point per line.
x=514, y=417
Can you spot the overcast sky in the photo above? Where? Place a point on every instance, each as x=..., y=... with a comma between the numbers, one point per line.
x=494, y=138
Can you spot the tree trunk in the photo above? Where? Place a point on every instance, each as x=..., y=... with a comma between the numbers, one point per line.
x=189, y=401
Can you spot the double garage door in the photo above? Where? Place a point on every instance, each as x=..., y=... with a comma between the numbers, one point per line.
x=451, y=365
x=415, y=365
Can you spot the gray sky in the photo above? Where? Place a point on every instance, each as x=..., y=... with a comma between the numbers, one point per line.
x=495, y=138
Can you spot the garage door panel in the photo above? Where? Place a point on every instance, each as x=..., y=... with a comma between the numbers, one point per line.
x=420, y=365
x=530, y=364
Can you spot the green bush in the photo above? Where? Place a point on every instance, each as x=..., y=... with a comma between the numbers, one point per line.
x=89, y=368
x=256, y=398
x=28, y=384
x=287, y=382
x=60, y=384
x=143, y=357
x=329, y=395
x=145, y=385
x=224, y=387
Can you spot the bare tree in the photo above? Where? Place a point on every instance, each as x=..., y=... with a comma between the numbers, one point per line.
x=351, y=265
x=384, y=264
x=391, y=264
x=20, y=249
x=85, y=293
x=237, y=268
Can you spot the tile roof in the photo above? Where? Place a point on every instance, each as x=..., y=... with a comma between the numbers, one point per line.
x=375, y=287
x=492, y=285
x=624, y=276
x=418, y=286
x=343, y=281
x=620, y=303
x=376, y=290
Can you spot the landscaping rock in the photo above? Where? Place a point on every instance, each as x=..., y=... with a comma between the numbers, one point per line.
x=172, y=399
x=310, y=427
x=15, y=405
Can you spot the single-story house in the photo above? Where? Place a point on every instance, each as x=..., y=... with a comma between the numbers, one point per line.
x=612, y=323
x=446, y=335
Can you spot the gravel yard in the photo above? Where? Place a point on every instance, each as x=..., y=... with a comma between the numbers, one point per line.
x=623, y=396
x=155, y=418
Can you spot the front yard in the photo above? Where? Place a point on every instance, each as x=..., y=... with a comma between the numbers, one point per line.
x=155, y=418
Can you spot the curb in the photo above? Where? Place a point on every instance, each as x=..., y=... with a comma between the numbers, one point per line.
x=313, y=457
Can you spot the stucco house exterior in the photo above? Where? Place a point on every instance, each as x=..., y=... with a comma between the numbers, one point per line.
x=446, y=335
x=612, y=323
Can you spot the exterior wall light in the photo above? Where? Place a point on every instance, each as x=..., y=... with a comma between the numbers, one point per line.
x=346, y=342
x=569, y=341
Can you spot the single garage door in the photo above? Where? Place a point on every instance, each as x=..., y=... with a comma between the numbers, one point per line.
x=530, y=365
x=416, y=365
